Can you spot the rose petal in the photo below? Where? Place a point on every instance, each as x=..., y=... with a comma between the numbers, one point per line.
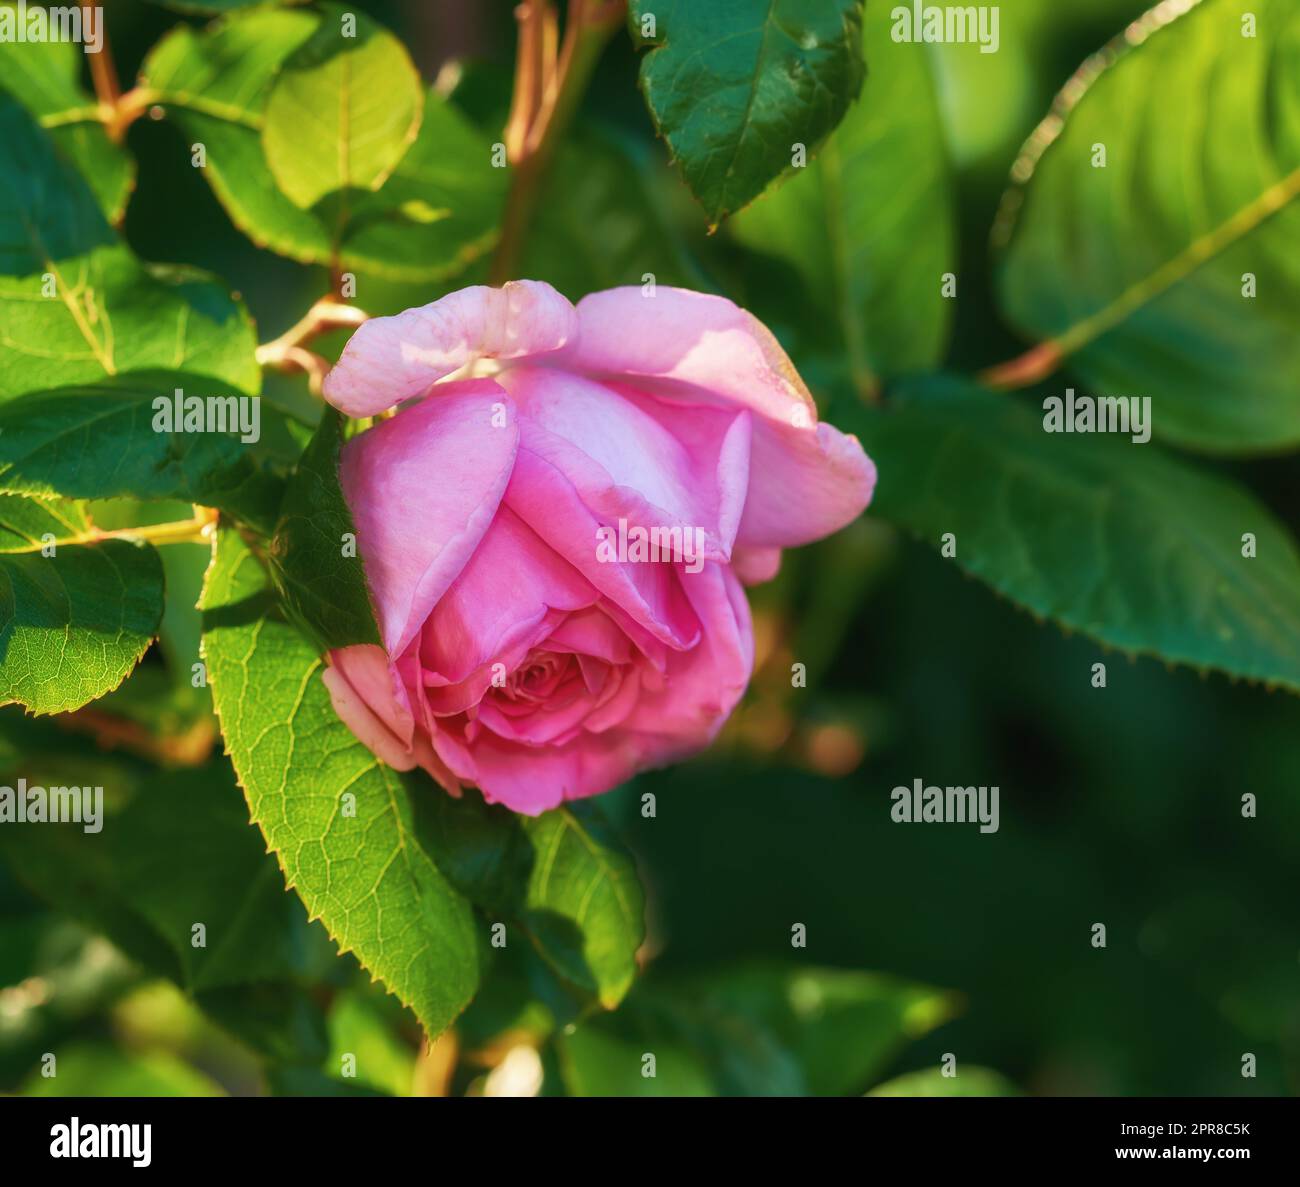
x=391, y=359
x=635, y=458
x=424, y=487
x=507, y=588
x=808, y=480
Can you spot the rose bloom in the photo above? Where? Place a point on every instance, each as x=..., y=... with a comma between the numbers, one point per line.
x=531, y=646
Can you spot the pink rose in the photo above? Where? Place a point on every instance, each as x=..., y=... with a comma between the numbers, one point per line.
x=556, y=531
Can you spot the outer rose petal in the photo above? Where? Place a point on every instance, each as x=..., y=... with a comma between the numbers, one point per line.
x=756, y=565
x=369, y=698
x=391, y=359
x=424, y=487
x=809, y=479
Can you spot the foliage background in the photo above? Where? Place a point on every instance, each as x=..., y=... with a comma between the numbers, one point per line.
x=1117, y=805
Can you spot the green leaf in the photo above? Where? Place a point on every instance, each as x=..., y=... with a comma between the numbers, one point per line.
x=869, y=224
x=44, y=77
x=72, y=624
x=213, y=83
x=323, y=587
x=75, y=305
x=438, y=211
x=98, y=441
x=733, y=86
x=1135, y=272
x=584, y=902
x=356, y=862
x=969, y=1081
x=343, y=110
x=1121, y=541
x=562, y=876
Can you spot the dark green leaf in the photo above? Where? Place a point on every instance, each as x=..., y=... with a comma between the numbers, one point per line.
x=563, y=876
x=1114, y=539
x=44, y=77
x=868, y=225
x=72, y=624
x=181, y=853
x=1136, y=272
x=733, y=86
x=340, y=822
x=99, y=441
x=316, y=563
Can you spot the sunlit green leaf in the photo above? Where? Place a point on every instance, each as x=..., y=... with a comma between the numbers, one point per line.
x=1170, y=267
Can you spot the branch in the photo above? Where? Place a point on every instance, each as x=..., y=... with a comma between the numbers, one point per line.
x=548, y=88
x=289, y=353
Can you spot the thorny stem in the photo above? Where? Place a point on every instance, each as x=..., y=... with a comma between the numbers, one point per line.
x=289, y=351
x=549, y=83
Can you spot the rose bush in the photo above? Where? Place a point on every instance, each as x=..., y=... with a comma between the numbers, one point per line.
x=519, y=655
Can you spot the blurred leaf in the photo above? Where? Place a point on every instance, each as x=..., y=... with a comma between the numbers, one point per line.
x=841, y=1027
x=969, y=1081
x=72, y=625
x=598, y=226
x=607, y=1059
x=734, y=86
x=757, y=1029
x=44, y=76
x=180, y=854
x=77, y=305
x=96, y=1069
x=219, y=6
x=97, y=441
x=306, y=1081
x=562, y=875
x=868, y=225
x=342, y=111
x=324, y=590
x=1135, y=271
x=360, y=1026
x=1120, y=541
x=356, y=862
